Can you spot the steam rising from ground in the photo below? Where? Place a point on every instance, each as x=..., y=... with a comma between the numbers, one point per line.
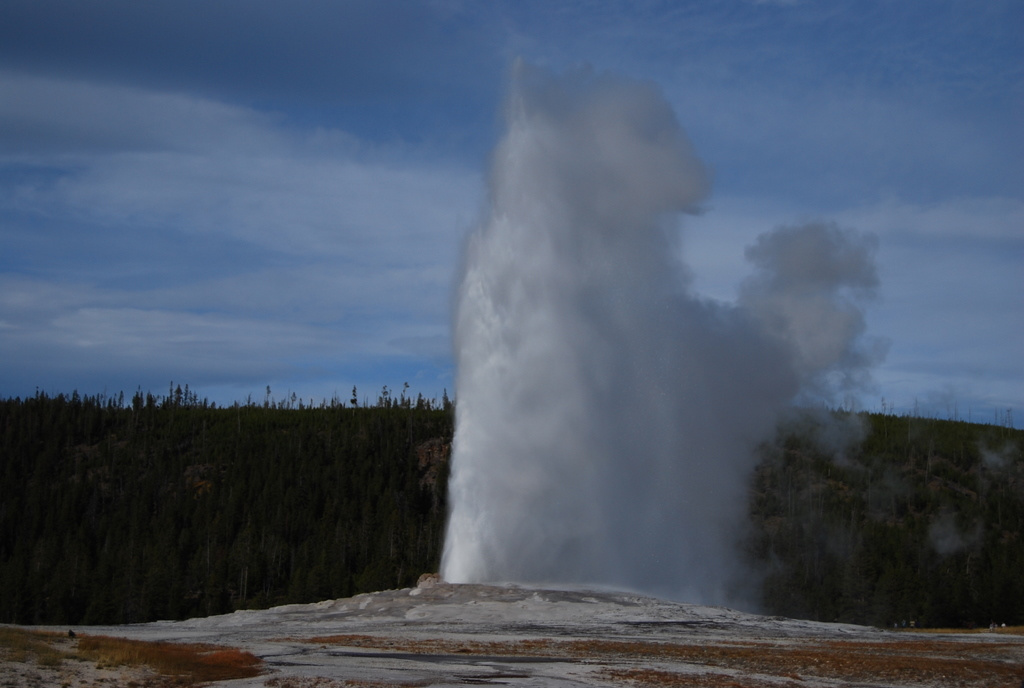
x=606, y=414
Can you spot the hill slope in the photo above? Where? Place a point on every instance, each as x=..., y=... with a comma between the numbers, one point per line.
x=115, y=511
x=170, y=508
x=891, y=520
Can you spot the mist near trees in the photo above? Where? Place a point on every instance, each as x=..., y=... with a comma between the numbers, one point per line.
x=607, y=414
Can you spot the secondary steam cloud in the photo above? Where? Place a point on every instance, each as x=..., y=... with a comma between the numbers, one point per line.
x=606, y=413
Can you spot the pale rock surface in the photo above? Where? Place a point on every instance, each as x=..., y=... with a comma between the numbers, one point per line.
x=439, y=634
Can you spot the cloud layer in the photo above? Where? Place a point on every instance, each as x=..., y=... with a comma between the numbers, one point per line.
x=174, y=237
x=314, y=172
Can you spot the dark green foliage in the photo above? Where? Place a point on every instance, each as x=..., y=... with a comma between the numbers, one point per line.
x=169, y=507
x=880, y=519
x=166, y=508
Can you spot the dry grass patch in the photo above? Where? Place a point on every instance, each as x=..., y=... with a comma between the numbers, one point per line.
x=941, y=661
x=324, y=682
x=191, y=664
x=22, y=645
x=666, y=679
x=1000, y=630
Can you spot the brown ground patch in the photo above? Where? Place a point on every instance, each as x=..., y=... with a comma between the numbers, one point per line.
x=654, y=678
x=324, y=682
x=38, y=658
x=940, y=661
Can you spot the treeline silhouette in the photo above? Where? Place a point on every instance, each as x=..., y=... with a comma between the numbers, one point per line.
x=116, y=510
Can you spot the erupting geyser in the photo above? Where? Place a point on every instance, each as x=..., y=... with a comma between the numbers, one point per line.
x=607, y=415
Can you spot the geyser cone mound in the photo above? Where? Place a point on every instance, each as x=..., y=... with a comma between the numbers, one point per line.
x=469, y=609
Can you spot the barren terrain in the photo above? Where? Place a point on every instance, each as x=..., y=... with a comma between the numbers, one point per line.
x=439, y=634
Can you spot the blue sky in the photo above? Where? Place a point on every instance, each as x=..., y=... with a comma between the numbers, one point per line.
x=237, y=195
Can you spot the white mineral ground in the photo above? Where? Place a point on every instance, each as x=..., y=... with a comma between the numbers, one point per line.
x=440, y=634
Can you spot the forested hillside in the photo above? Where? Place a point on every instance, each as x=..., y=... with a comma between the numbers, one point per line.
x=117, y=510
x=166, y=508
x=882, y=519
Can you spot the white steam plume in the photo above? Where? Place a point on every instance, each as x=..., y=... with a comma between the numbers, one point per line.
x=606, y=416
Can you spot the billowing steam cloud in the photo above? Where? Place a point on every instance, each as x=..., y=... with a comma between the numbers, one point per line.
x=606, y=415
x=805, y=293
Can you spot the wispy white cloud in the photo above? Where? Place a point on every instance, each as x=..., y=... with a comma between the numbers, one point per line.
x=355, y=245
x=201, y=166
x=64, y=117
x=321, y=171
x=952, y=272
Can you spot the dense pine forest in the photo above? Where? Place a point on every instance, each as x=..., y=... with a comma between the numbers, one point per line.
x=882, y=519
x=116, y=510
